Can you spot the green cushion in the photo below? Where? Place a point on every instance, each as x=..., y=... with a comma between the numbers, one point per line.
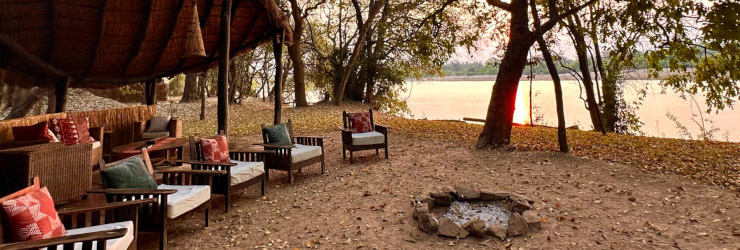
x=130, y=173
x=278, y=134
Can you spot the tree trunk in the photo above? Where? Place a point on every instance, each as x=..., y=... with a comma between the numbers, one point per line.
x=562, y=136
x=295, y=51
x=25, y=100
x=191, y=92
x=588, y=84
x=497, y=129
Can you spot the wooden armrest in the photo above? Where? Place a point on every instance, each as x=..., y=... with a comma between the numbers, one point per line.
x=142, y=191
x=54, y=242
x=272, y=145
x=258, y=151
x=208, y=163
x=196, y=172
x=344, y=129
x=383, y=126
x=106, y=206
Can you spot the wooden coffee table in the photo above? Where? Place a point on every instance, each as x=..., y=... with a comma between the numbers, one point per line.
x=157, y=148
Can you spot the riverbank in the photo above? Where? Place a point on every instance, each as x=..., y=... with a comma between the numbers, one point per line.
x=714, y=163
x=629, y=75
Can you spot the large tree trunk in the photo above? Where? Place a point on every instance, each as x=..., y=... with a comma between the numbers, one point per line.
x=574, y=25
x=295, y=51
x=497, y=129
x=24, y=101
x=191, y=92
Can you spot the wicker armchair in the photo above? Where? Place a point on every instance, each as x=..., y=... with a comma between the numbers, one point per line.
x=246, y=168
x=363, y=141
x=187, y=184
x=66, y=170
x=174, y=130
x=106, y=226
x=305, y=151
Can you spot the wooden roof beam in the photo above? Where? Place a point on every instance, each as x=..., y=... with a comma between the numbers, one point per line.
x=54, y=30
x=180, y=8
x=209, y=8
x=140, y=41
x=37, y=62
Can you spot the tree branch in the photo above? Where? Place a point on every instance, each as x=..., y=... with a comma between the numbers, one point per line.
x=554, y=20
x=499, y=4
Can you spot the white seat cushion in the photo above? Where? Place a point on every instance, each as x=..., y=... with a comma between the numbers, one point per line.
x=304, y=152
x=114, y=244
x=187, y=198
x=96, y=144
x=246, y=171
x=152, y=135
x=367, y=138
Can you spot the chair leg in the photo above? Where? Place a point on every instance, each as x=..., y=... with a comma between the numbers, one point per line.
x=386, y=151
x=290, y=177
x=263, y=188
x=377, y=151
x=208, y=210
x=322, y=164
x=351, y=157
x=163, y=235
x=227, y=203
x=344, y=153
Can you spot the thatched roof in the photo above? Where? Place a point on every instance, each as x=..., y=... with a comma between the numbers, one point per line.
x=99, y=40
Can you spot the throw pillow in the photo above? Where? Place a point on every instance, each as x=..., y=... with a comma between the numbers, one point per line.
x=278, y=134
x=159, y=124
x=130, y=173
x=215, y=150
x=72, y=131
x=360, y=122
x=38, y=132
x=52, y=135
x=32, y=216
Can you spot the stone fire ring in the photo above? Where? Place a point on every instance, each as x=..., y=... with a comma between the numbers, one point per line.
x=523, y=218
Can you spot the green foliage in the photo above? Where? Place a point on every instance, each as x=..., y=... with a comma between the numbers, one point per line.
x=176, y=85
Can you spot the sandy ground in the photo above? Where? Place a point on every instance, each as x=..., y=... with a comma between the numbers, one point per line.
x=589, y=204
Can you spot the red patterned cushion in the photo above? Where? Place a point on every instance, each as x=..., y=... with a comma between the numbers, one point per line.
x=216, y=150
x=33, y=217
x=72, y=131
x=360, y=122
x=36, y=132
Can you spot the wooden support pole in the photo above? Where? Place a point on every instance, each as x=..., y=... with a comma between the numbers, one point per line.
x=223, y=67
x=60, y=92
x=150, y=92
x=277, y=48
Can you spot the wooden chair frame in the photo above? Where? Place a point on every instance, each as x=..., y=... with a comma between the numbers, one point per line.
x=79, y=218
x=222, y=183
x=347, y=138
x=281, y=158
x=154, y=216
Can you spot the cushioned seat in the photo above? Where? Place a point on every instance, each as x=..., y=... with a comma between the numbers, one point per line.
x=152, y=135
x=187, y=198
x=246, y=171
x=114, y=244
x=304, y=152
x=368, y=138
x=96, y=144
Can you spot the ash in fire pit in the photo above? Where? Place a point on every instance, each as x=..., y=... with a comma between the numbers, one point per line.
x=491, y=213
x=469, y=212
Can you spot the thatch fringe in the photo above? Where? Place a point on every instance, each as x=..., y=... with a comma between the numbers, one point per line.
x=120, y=121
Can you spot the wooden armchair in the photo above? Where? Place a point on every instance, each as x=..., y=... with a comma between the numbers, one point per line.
x=174, y=129
x=246, y=168
x=363, y=141
x=109, y=226
x=305, y=151
x=181, y=192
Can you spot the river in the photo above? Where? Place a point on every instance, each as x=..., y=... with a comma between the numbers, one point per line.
x=453, y=100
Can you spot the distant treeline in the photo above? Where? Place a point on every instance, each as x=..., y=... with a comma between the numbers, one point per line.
x=490, y=67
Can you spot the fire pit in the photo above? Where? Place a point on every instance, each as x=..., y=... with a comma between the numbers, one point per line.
x=466, y=211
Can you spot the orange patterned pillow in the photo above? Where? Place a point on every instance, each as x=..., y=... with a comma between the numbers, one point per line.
x=32, y=216
x=215, y=150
